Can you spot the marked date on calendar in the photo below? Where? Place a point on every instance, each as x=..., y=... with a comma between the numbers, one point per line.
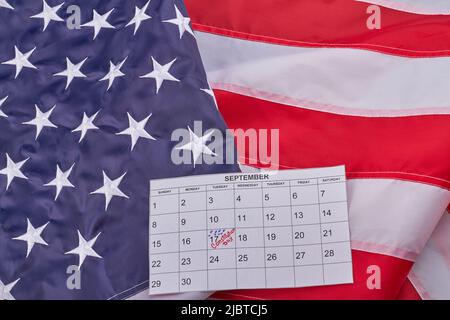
x=221, y=237
x=241, y=231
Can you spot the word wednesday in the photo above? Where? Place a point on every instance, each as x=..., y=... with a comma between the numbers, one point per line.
x=193, y=310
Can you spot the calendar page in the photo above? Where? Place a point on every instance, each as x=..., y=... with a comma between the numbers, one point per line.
x=239, y=231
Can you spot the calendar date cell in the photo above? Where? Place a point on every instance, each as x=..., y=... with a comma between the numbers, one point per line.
x=192, y=221
x=250, y=258
x=248, y=198
x=336, y=252
x=220, y=218
x=249, y=237
x=164, y=204
x=278, y=236
x=333, y=212
x=193, y=281
x=192, y=201
x=163, y=283
x=220, y=199
x=335, y=232
x=304, y=195
x=277, y=216
x=307, y=234
x=163, y=263
x=332, y=192
x=194, y=240
x=279, y=257
x=164, y=243
x=308, y=255
x=308, y=214
x=251, y=217
x=167, y=223
x=192, y=260
x=221, y=259
x=276, y=197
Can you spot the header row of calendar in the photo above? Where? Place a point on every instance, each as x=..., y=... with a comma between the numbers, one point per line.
x=267, y=179
x=252, y=185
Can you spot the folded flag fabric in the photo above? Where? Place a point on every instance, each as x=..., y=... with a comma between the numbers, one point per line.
x=90, y=93
x=430, y=275
x=345, y=83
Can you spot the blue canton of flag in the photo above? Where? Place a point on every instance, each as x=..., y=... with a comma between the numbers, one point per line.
x=86, y=116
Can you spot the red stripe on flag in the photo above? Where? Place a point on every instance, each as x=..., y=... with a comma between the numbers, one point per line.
x=408, y=292
x=393, y=272
x=324, y=23
x=415, y=148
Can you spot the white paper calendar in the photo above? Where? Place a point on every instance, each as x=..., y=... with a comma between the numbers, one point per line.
x=240, y=231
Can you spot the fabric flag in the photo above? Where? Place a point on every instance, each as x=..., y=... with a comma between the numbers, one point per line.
x=430, y=275
x=345, y=83
x=87, y=113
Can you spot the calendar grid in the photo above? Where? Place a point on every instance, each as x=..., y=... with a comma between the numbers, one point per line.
x=238, y=251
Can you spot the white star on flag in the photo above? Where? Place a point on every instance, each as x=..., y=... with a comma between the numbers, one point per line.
x=61, y=180
x=197, y=145
x=48, y=14
x=110, y=189
x=182, y=22
x=139, y=17
x=5, y=289
x=86, y=124
x=2, y=101
x=160, y=73
x=12, y=170
x=41, y=120
x=211, y=93
x=5, y=4
x=72, y=71
x=84, y=249
x=136, y=130
x=32, y=236
x=114, y=72
x=21, y=60
x=99, y=21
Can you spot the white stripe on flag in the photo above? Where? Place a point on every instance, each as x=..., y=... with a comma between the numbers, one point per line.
x=338, y=80
x=394, y=217
x=434, y=7
x=431, y=272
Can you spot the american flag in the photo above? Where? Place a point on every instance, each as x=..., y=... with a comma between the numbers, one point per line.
x=86, y=120
x=365, y=83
